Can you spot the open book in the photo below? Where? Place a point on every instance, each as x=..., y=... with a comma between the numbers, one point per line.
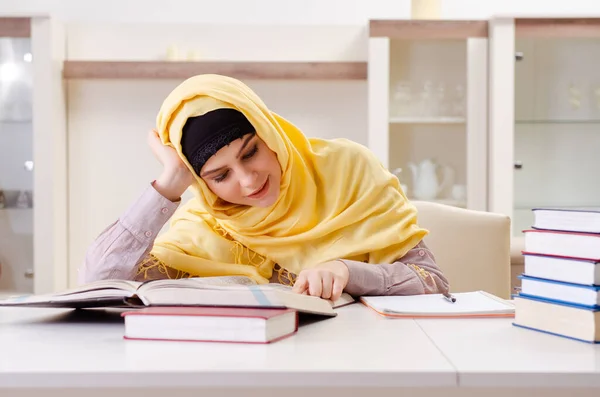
x=230, y=291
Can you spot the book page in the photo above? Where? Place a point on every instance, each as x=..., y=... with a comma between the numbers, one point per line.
x=108, y=290
x=467, y=303
x=123, y=285
x=343, y=300
x=197, y=282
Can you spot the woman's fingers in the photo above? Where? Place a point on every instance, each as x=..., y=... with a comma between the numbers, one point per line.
x=156, y=145
x=315, y=285
x=338, y=288
x=327, y=280
x=323, y=284
x=301, y=284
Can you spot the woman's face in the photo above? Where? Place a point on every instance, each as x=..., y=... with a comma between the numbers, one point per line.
x=245, y=172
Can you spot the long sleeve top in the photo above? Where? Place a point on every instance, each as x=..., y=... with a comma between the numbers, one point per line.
x=122, y=251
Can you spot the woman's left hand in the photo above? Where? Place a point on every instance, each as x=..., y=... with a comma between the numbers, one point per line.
x=326, y=280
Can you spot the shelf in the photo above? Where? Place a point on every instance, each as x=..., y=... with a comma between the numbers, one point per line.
x=240, y=70
x=15, y=27
x=424, y=29
x=591, y=121
x=427, y=120
x=557, y=27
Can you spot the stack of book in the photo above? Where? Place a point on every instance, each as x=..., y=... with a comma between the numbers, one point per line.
x=560, y=285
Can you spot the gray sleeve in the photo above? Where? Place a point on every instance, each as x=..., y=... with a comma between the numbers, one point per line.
x=414, y=274
x=117, y=251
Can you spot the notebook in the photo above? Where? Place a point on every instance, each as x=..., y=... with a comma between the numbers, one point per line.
x=468, y=304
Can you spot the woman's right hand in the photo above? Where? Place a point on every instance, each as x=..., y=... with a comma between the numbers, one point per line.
x=176, y=177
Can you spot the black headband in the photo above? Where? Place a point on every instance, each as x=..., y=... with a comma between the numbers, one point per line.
x=205, y=135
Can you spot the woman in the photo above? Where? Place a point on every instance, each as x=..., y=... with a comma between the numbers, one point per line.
x=269, y=204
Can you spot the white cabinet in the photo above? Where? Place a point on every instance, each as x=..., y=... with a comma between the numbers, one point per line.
x=16, y=136
x=545, y=115
x=33, y=208
x=428, y=105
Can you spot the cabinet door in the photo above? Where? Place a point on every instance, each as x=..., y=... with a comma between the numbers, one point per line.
x=16, y=155
x=547, y=156
x=427, y=108
x=33, y=188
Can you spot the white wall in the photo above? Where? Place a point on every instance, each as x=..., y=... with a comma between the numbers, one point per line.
x=108, y=120
x=101, y=113
x=282, y=12
x=223, y=11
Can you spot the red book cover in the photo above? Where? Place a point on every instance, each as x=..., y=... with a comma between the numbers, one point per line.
x=561, y=243
x=187, y=324
x=207, y=311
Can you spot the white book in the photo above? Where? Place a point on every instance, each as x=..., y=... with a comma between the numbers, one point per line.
x=567, y=219
x=587, y=295
x=569, y=270
x=567, y=244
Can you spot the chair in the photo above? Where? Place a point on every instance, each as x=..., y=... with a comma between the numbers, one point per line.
x=517, y=260
x=471, y=247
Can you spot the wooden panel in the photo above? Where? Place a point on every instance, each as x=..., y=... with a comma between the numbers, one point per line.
x=50, y=214
x=15, y=27
x=438, y=29
x=557, y=27
x=246, y=70
x=477, y=123
x=378, y=94
x=501, y=116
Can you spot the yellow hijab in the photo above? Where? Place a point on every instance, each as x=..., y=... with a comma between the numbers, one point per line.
x=336, y=200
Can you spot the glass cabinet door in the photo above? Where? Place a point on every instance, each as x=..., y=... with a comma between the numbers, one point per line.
x=427, y=107
x=16, y=154
x=557, y=124
x=544, y=116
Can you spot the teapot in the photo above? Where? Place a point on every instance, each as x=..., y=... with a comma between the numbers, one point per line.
x=426, y=184
x=397, y=173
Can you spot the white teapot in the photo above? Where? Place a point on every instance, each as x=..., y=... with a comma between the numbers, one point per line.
x=426, y=184
x=397, y=173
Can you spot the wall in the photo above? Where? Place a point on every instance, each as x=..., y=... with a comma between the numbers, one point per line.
x=281, y=12
x=108, y=120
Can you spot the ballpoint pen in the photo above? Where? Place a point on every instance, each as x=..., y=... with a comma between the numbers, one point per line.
x=449, y=297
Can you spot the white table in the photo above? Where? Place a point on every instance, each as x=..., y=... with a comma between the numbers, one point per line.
x=494, y=353
x=61, y=352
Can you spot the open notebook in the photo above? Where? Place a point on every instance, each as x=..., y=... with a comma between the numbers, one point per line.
x=468, y=304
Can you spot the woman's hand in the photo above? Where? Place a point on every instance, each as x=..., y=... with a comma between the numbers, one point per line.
x=176, y=177
x=326, y=280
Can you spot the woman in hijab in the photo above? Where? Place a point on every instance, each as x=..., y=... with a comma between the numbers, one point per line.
x=269, y=204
